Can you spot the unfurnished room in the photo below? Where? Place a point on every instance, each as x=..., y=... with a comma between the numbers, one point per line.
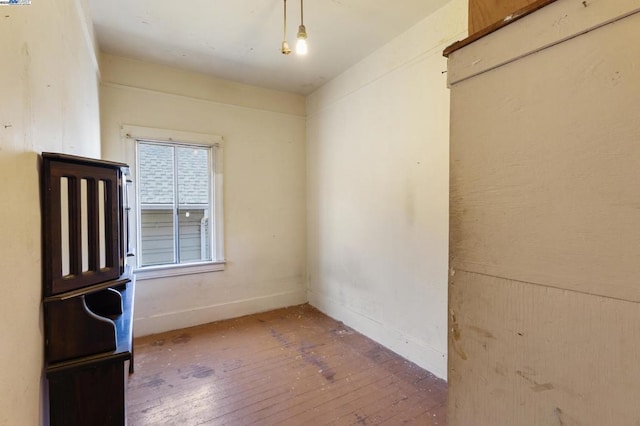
x=320, y=212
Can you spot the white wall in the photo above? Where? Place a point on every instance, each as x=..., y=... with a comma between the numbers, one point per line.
x=377, y=165
x=264, y=187
x=48, y=102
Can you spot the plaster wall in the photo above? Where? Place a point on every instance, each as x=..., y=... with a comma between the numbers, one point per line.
x=377, y=166
x=49, y=102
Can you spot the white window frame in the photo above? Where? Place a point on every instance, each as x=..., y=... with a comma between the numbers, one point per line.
x=130, y=135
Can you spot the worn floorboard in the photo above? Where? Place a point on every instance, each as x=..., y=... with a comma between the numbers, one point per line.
x=293, y=366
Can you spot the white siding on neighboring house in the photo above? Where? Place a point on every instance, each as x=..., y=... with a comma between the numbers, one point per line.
x=157, y=236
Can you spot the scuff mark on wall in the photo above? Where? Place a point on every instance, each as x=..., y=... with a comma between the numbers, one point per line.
x=542, y=387
x=558, y=413
x=456, y=336
x=482, y=332
x=536, y=387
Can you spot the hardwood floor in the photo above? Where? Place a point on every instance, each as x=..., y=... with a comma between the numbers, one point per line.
x=292, y=366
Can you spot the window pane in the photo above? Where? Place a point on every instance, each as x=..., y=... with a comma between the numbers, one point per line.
x=194, y=241
x=156, y=174
x=157, y=189
x=156, y=230
x=193, y=195
x=193, y=176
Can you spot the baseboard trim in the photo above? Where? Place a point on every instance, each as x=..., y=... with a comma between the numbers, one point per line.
x=188, y=318
x=409, y=347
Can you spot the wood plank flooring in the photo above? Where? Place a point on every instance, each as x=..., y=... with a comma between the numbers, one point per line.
x=292, y=366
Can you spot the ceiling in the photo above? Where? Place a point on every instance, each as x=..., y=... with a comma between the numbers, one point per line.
x=240, y=40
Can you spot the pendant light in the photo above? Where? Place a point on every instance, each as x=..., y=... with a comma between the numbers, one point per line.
x=301, y=45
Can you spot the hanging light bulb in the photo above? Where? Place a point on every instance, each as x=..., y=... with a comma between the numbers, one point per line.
x=301, y=45
x=285, y=46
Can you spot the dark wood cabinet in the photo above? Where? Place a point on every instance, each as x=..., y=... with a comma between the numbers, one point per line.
x=88, y=290
x=87, y=394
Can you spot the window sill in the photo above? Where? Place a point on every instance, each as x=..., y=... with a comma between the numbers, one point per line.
x=164, y=271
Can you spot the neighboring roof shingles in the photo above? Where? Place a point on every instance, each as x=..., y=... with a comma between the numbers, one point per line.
x=157, y=179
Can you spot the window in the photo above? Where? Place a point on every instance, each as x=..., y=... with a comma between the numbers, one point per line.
x=177, y=178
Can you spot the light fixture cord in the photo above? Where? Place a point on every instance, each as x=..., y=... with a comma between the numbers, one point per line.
x=284, y=30
x=301, y=12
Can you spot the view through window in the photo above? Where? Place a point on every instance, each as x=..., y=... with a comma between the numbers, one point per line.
x=175, y=197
